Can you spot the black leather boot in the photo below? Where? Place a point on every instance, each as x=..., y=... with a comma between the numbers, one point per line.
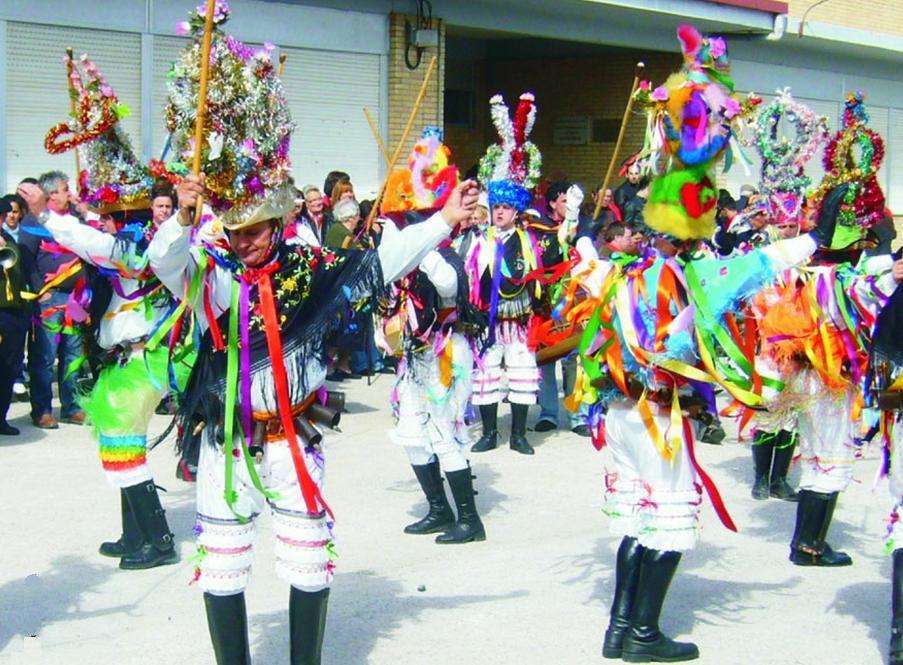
x=307, y=622
x=627, y=574
x=158, y=548
x=489, y=414
x=896, y=627
x=227, y=620
x=644, y=642
x=813, y=517
x=131, y=538
x=518, y=440
x=440, y=516
x=779, y=488
x=762, y=448
x=468, y=528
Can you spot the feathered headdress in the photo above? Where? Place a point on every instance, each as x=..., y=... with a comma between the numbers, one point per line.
x=427, y=181
x=245, y=150
x=783, y=180
x=688, y=129
x=112, y=177
x=511, y=167
x=863, y=205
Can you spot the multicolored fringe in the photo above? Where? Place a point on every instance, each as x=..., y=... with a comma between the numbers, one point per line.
x=123, y=453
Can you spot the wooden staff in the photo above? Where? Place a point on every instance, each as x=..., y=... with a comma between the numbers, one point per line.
x=73, y=107
x=202, y=101
x=404, y=137
x=282, y=58
x=376, y=136
x=614, y=156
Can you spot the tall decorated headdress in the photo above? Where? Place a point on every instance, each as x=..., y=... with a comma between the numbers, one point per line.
x=112, y=177
x=511, y=167
x=863, y=204
x=428, y=180
x=688, y=129
x=784, y=158
x=245, y=150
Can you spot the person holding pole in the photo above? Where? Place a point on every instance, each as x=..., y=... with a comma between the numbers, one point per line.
x=264, y=308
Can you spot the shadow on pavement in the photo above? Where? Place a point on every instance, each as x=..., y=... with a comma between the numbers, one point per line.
x=28, y=433
x=869, y=604
x=30, y=603
x=489, y=498
x=363, y=609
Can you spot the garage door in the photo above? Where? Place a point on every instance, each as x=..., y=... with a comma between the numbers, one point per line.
x=37, y=96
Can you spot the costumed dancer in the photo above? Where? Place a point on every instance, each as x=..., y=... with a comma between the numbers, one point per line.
x=814, y=327
x=264, y=308
x=441, y=328
x=783, y=185
x=885, y=383
x=653, y=346
x=495, y=266
x=128, y=307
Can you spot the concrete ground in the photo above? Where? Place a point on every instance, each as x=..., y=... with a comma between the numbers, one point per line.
x=536, y=592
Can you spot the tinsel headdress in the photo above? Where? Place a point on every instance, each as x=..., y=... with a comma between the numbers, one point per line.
x=427, y=181
x=688, y=129
x=248, y=127
x=511, y=167
x=863, y=204
x=112, y=177
x=783, y=181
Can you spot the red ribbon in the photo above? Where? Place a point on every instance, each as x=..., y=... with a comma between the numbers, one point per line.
x=710, y=487
x=309, y=490
x=215, y=333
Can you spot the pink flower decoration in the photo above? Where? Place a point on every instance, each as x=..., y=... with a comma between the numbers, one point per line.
x=660, y=94
x=645, y=85
x=717, y=47
x=183, y=28
x=106, y=90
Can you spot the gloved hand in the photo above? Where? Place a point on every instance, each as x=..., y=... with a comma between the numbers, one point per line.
x=827, y=216
x=573, y=201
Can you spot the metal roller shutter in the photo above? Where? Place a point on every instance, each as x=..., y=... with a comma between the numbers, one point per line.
x=327, y=92
x=894, y=162
x=37, y=96
x=166, y=51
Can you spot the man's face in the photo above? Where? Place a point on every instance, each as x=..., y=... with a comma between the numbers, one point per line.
x=314, y=202
x=503, y=216
x=606, y=198
x=788, y=229
x=14, y=216
x=633, y=174
x=58, y=201
x=559, y=206
x=161, y=207
x=108, y=225
x=252, y=243
x=352, y=222
x=626, y=243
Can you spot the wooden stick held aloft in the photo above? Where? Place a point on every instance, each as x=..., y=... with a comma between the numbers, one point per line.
x=376, y=136
x=73, y=106
x=614, y=156
x=202, y=101
x=404, y=138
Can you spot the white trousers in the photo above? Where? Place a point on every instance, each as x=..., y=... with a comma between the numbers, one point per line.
x=522, y=373
x=430, y=415
x=225, y=543
x=895, y=483
x=648, y=497
x=826, y=434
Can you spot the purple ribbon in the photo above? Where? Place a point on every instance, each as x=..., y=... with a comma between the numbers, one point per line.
x=494, y=294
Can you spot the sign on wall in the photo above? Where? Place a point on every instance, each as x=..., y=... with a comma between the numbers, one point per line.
x=571, y=130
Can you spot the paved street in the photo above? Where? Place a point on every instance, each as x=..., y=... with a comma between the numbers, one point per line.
x=536, y=592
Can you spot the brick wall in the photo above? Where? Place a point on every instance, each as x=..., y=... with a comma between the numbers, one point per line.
x=405, y=83
x=874, y=15
x=596, y=87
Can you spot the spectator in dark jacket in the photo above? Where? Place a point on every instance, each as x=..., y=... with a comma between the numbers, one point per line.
x=13, y=315
x=51, y=347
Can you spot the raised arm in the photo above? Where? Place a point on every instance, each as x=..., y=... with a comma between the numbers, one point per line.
x=171, y=257
x=442, y=274
x=89, y=244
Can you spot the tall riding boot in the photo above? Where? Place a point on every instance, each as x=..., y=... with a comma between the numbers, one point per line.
x=644, y=642
x=518, y=440
x=762, y=449
x=131, y=538
x=468, y=528
x=489, y=414
x=158, y=548
x=627, y=574
x=896, y=626
x=227, y=620
x=813, y=517
x=783, y=455
x=307, y=622
x=440, y=516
